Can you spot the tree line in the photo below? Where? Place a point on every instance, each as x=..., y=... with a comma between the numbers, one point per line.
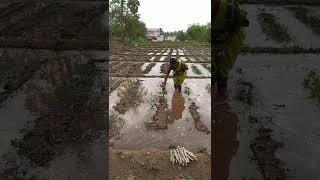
x=125, y=23
x=195, y=32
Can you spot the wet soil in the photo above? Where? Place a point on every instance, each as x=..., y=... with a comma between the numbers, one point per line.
x=197, y=119
x=162, y=116
x=16, y=68
x=264, y=148
x=207, y=66
x=275, y=129
x=135, y=163
x=53, y=89
x=114, y=83
x=245, y=94
x=130, y=97
x=159, y=120
x=148, y=68
x=68, y=109
x=177, y=105
x=115, y=125
x=196, y=70
x=54, y=25
x=127, y=69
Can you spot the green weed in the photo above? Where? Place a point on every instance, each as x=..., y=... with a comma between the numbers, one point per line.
x=196, y=70
x=154, y=169
x=273, y=29
x=312, y=84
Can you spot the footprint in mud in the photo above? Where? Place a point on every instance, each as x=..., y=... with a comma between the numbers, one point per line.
x=196, y=117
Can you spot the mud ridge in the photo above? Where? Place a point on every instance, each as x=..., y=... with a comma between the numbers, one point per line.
x=131, y=97
x=148, y=68
x=197, y=119
x=245, y=94
x=162, y=116
x=262, y=145
x=263, y=148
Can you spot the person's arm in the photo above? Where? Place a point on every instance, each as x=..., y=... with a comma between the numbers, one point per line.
x=167, y=74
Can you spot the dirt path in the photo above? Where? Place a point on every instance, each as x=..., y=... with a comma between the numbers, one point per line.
x=138, y=163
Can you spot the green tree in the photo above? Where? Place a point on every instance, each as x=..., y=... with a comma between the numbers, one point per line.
x=130, y=27
x=181, y=36
x=199, y=33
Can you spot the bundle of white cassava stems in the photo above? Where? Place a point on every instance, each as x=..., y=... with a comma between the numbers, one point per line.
x=181, y=156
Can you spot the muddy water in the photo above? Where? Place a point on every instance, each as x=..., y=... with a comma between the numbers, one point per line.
x=182, y=131
x=278, y=79
x=14, y=117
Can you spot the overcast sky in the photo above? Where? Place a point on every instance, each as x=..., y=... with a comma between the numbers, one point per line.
x=174, y=15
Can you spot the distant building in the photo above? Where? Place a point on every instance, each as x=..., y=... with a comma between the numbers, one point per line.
x=153, y=34
x=171, y=38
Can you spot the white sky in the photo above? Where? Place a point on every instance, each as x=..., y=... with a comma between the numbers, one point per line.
x=174, y=15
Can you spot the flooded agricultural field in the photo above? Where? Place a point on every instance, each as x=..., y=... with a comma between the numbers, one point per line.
x=146, y=119
x=52, y=90
x=268, y=128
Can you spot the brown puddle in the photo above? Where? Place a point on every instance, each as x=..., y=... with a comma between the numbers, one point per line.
x=177, y=106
